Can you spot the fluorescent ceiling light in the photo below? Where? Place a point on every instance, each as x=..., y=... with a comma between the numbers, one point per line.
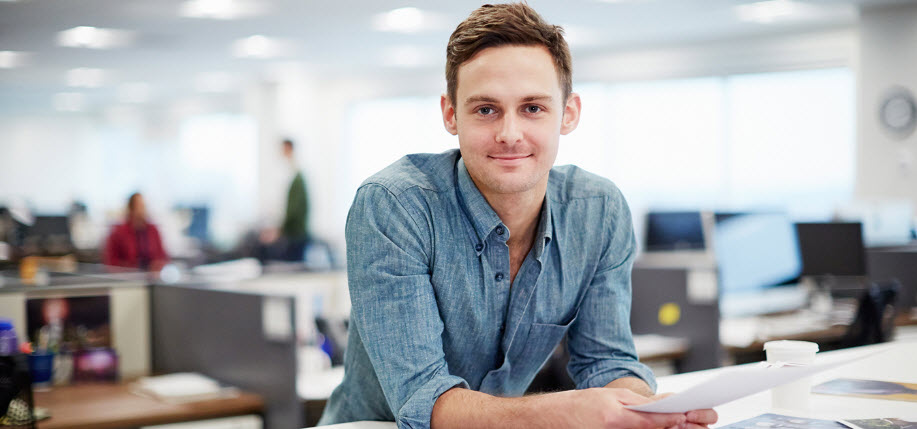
x=581, y=36
x=407, y=56
x=134, y=92
x=13, y=59
x=84, y=77
x=69, y=102
x=407, y=20
x=259, y=46
x=221, y=9
x=768, y=11
x=214, y=82
x=94, y=38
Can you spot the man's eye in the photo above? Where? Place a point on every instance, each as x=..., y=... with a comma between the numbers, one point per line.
x=532, y=109
x=485, y=110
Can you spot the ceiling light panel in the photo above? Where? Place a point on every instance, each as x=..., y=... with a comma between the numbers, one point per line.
x=84, y=77
x=222, y=9
x=767, y=11
x=214, y=82
x=13, y=59
x=134, y=92
x=408, y=20
x=94, y=38
x=262, y=47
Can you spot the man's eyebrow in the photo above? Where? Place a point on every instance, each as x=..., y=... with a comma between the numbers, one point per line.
x=543, y=98
x=527, y=99
x=480, y=99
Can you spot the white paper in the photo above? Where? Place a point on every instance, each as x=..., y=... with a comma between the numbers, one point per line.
x=732, y=384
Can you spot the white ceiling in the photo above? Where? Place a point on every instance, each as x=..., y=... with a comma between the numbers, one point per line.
x=327, y=38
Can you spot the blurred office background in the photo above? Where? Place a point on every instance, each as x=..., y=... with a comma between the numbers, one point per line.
x=701, y=104
x=766, y=148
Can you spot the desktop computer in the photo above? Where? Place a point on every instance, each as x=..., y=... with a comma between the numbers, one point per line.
x=758, y=261
x=833, y=253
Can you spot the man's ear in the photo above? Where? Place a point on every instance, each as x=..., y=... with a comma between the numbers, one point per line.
x=571, y=114
x=448, y=114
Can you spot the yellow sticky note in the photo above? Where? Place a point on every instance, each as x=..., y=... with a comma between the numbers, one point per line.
x=669, y=314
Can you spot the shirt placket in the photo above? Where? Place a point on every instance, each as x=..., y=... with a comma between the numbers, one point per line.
x=499, y=277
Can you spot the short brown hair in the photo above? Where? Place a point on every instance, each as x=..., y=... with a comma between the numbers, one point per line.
x=506, y=24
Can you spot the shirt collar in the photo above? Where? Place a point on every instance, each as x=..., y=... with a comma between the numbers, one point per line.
x=484, y=219
x=544, y=228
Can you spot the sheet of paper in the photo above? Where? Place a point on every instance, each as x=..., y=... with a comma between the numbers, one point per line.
x=737, y=383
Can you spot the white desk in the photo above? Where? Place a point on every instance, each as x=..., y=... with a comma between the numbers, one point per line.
x=899, y=363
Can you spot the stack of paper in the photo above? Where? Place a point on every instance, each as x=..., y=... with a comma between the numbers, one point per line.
x=181, y=387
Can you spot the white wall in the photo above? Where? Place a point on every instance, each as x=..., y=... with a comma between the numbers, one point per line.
x=888, y=57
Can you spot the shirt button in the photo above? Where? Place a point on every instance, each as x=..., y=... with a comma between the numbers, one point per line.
x=500, y=230
x=479, y=247
x=498, y=277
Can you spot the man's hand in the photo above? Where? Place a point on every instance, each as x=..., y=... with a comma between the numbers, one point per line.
x=696, y=419
x=604, y=408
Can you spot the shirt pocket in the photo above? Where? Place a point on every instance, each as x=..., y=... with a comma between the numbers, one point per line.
x=541, y=341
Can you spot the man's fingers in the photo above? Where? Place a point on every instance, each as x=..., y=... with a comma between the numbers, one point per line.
x=628, y=397
x=659, y=396
x=702, y=417
x=664, y=420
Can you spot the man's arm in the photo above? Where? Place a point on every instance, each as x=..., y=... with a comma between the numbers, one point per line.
x=394, y=306
x=574, y=409
x=633, y=384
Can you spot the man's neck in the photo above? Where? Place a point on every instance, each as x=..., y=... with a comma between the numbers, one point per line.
x=520, y=213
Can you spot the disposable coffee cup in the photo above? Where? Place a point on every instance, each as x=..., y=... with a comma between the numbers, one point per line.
x=793, y=395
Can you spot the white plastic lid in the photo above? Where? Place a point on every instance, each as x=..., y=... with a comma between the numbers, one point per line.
x=789, y=345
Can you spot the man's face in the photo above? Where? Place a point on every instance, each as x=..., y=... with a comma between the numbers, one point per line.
x=509, y=114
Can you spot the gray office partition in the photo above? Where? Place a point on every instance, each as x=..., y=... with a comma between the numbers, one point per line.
x=658, y=290
x=895, y=264
x=220, y=334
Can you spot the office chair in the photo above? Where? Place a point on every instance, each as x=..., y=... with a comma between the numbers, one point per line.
x=16, y=385
x=875, y=317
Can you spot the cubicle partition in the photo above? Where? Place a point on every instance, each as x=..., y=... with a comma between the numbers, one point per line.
x=243, y=339
x=896, y=264
x=679, y=302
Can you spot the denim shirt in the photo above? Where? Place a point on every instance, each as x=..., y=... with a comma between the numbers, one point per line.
x=433, y=308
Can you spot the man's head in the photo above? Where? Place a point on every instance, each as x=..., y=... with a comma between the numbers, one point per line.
x=509, y=98
x=136, y=209
x=287, y=148
x=506, y=24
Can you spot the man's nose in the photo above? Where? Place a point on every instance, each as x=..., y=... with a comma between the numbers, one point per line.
x=510, y=131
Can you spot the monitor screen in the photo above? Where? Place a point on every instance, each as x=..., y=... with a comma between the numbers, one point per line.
x=668, y=231
x=832, y=248
x=755, y=251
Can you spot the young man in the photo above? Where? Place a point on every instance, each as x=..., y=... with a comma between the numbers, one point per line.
x=468, y=267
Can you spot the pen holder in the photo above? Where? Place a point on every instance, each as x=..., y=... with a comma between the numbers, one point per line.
x=41, y=366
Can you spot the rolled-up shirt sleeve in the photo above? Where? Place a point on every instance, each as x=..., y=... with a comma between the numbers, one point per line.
x=600, y=340
x=394, y=306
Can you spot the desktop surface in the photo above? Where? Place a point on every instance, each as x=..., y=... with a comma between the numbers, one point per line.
x=893, y=363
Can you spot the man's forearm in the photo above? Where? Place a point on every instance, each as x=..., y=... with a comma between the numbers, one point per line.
x=463, y=408
x=573, y=409
x=634, y=384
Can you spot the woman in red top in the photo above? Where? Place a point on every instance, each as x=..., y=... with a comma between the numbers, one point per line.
x=136, y=242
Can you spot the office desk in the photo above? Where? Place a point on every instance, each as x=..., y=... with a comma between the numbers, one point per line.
x=896, y=364
x=112, y=406
x=314, y=388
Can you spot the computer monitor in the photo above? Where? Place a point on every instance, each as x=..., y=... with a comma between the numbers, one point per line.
x=673, y=231
x=49, y=235
x=832, y=248
x=755, y=251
